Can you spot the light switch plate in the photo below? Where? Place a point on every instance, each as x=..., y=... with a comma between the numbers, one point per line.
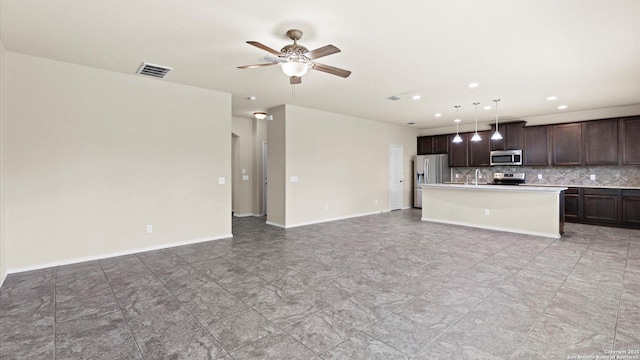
x=220, y=181
x=294, y=179
x=245, y=177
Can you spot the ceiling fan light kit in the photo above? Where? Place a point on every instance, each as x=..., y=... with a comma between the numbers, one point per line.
x=295, y=60
x=294, y=68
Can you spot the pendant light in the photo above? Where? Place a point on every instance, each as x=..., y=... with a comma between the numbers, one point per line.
x=457, y=138
x=496, y=135
x=476, y=136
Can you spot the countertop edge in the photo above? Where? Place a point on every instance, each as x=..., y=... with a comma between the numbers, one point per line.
x=556, y=189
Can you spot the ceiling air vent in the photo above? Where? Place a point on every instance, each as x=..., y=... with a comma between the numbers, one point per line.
x=395, y=98
x=157, y=71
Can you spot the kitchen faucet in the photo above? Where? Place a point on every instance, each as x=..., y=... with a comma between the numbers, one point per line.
x=477, y=171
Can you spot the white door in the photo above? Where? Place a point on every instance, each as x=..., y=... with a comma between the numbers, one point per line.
x=396, y=177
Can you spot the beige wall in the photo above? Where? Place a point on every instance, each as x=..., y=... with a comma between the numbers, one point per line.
x=260, y=137
x=276, y=166
x=92, y=157
x=243, y=195
x=342, y=164
x=3, y=259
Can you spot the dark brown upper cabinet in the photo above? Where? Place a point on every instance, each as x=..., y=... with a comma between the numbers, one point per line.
x=441, y=144
x=479, y=151
x=459, y=152
x=536, y=146
x=600, y=142
x=630, y=136
x=425, y=145
x=512, y=136
x=566, y=144
x=438, y=144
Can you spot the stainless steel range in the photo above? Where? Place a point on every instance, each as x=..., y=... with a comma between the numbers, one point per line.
x=508, y=178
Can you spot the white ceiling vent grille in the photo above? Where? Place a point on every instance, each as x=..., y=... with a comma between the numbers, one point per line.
x=157, y=71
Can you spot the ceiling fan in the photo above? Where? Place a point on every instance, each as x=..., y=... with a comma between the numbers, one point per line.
x=295, y=59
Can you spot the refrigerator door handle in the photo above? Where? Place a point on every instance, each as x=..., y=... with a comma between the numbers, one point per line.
x=426, y=170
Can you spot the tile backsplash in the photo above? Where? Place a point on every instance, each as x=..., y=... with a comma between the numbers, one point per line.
x=615, y=175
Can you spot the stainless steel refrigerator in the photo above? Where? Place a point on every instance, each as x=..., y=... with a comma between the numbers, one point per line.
x=429, y=169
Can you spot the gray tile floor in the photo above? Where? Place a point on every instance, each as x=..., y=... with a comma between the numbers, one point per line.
x=385, y=286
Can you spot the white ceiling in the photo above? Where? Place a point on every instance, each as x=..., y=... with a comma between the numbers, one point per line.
x=585, y=52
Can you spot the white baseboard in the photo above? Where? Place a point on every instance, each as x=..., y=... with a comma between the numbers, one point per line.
x=248, y=214
x=535, y=233
x=276, y=224
x=335, y=219
x=244, y=215
x=115, y=254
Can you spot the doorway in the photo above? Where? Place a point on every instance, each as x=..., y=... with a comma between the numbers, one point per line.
x=396, y=177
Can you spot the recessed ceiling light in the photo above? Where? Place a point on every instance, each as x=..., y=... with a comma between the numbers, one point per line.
x=457, y=120
x=474, y=85
x=562, y=107
x=411, y=123
x=551, y=98
x=487, y=107
x=416, y=97
x=437, y=115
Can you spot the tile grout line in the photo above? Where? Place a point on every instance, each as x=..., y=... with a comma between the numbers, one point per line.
x=555, y=294
x=182, y=304
x=615, y=328
x=121, y=310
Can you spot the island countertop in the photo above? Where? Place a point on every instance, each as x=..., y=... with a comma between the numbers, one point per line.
x=533, y=210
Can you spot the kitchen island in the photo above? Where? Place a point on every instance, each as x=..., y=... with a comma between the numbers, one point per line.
x=521, y=209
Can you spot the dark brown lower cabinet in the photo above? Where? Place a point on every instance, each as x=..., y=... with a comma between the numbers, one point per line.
x=631, y=207
x=571, y=204
x=601, y=205
x=612, y=207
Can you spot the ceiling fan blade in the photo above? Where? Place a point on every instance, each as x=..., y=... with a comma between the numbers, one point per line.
x=320, y=52
x=331, y=70
x=255, y=66
x=295, y=80
x=264, y=47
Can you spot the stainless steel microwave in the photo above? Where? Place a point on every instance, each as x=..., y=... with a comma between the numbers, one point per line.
x=506, y=157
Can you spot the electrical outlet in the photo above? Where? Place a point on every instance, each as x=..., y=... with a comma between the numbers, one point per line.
x=149, y=229
x=376, y=201
x=487, y=212
x=221, y=181
x=326, y=207
x=593, y=177
x=457, y=176
x=539, y=176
